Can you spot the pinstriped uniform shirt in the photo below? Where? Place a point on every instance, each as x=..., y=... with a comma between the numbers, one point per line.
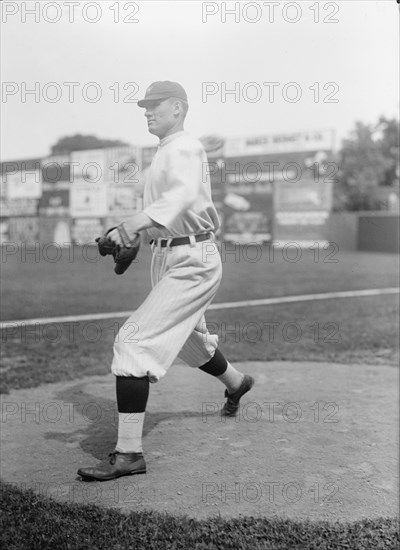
x=177, y=193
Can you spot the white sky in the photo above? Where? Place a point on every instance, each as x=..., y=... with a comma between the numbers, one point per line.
x=170, y=42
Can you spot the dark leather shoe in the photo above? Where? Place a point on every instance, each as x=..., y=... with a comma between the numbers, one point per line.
x=232, y=403
x=119, y=464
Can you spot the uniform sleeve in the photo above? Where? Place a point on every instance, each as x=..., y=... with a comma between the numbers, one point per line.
x=183, y=182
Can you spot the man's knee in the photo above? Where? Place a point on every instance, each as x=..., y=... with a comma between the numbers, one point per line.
x=217, y=365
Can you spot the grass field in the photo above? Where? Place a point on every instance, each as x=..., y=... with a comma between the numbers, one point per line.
x=357, y=330
x=35, y=522
x=81, y=282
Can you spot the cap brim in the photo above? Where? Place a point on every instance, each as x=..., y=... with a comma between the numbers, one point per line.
x=146, y=102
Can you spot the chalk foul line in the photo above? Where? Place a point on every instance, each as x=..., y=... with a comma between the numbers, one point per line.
x=221, y=305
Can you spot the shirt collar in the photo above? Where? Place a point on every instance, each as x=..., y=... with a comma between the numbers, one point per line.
x=171, y=137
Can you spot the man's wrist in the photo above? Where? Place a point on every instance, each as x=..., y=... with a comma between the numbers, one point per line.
x=138, y=223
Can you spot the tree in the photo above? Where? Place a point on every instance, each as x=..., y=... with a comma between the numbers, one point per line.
x=368, y=159
x=79, y=142
x=386, y=136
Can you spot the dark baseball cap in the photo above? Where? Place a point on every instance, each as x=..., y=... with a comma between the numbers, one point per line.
x=160, y=90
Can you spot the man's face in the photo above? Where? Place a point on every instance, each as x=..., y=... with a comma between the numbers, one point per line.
x=161, y=117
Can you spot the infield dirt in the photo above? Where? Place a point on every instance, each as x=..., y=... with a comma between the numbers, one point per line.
x=312, y=440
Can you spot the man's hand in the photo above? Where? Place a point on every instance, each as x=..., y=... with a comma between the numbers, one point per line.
x=124, y=253
x=136, y=223
x=116, y=237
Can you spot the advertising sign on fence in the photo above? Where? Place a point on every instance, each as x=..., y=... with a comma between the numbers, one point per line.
x=54, y=202
x=24, y=230
x=303, y=196
x=315, y=140
x=122, y=165
x=85, y=231
x=88, y=200
x=122, y=200
x=247, y=199
x=88, y=166
x=55, y=230
x=18, y=207
x=248, y=218
x=56, y=168
x=24, y=184
x=302, y=211
x=276, y=174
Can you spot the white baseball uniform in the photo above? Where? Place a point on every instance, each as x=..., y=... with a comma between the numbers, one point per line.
x=185, y=278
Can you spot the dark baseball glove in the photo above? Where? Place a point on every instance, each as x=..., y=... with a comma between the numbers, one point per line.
x=123, y=255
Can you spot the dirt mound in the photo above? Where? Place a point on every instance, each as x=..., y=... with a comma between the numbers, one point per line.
x=312, y=440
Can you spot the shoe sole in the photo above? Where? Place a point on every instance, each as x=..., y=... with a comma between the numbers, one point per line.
x=233, y=413
x=85, y=476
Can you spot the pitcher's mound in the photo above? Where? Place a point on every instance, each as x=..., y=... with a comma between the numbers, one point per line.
x=311, y=440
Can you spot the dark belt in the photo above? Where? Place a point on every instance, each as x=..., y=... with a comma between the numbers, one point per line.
x=177, y=241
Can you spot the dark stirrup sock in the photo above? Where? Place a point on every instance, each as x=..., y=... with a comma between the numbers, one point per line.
x=217, y=365
x=132, y=394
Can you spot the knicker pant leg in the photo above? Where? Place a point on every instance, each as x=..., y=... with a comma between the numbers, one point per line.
x=155, y=333
x=200, y=346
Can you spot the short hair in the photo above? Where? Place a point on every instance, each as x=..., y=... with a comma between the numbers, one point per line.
x=185, y=105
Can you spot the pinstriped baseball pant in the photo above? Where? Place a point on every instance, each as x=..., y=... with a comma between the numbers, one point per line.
x=170, y=322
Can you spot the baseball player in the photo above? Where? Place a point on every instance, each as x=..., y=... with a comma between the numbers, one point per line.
x=180, y=217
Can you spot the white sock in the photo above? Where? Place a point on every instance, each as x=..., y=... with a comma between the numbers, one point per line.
x=130, y=428
x=232, y=378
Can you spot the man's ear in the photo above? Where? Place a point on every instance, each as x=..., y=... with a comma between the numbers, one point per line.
x=177, y=105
